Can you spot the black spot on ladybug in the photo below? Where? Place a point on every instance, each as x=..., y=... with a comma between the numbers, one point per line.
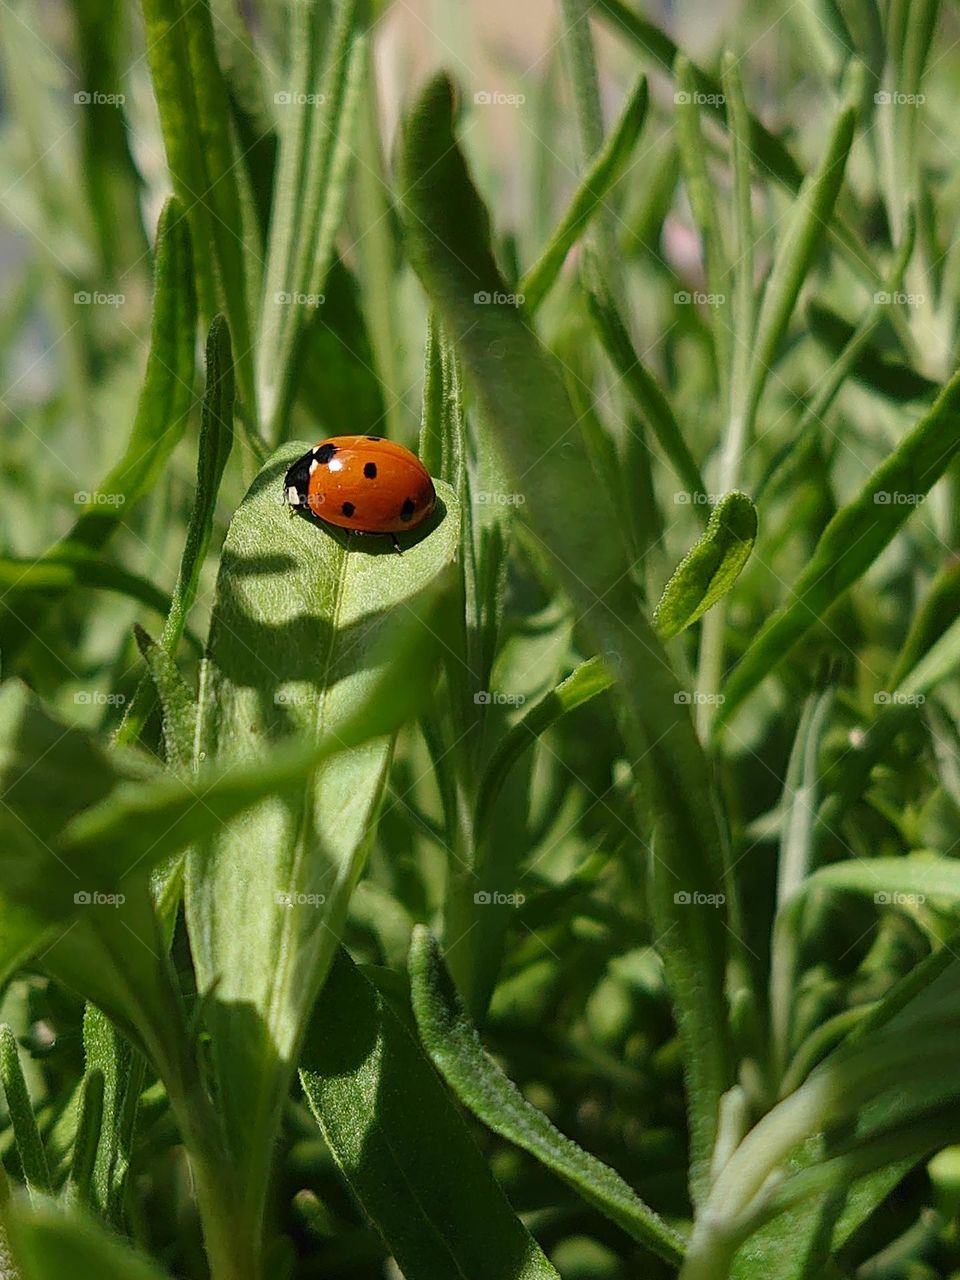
x=375, y=438
x=348, y=508
x=370, y=470
x=325, y=453
x=407, y=510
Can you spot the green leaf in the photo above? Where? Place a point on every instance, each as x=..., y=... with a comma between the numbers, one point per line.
x=852, y=541
x=216, y=437
x=892, y=378
x=89, y=1122
x=106, y=1052
x=594, y=188
x=179, y=705
x=587, y=681
x=304, y=622
x=455, y=1048
x=426, y=1186
x=521, y=397
x=710, y=567
x=653, y=405
x=162, y=412
x=33, y=1160
x=49, y=1243
x=313, y=165
x=193, y=101
x=805, y=230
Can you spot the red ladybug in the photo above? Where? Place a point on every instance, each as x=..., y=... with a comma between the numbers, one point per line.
x=363, y=483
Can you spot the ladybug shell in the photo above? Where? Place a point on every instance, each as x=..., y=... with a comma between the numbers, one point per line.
x=364, y=483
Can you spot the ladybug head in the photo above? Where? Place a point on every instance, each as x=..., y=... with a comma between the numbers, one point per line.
x=297, y=480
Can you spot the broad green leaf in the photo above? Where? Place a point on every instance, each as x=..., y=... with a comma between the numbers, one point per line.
x=594, y=188
x=853, y=539
x=302, y=618
x=193, y=100
x=216, y=437
x=710, y=567
x=176, y=812
x=49, y=1242
x=521, y=397
x=454, y=1045
x=402, y=1144
x=162, y=413
x=33, y=1160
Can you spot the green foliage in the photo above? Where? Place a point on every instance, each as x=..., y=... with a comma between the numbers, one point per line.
x=574, y=893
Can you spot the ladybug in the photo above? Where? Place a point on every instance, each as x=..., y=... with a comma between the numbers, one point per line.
x=362, y=483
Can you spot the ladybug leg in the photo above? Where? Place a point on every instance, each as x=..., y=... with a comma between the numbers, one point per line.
x=396, y=544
